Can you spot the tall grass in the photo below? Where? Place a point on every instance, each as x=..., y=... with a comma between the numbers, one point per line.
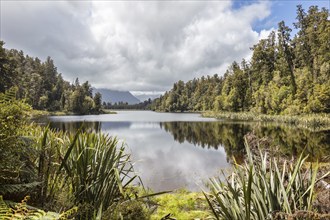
x=264, y=188
x=310, y=121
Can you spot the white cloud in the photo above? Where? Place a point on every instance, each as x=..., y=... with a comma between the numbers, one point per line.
x=141, y=46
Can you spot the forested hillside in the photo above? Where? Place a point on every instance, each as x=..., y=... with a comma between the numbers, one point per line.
x=286, y=75
x=41, y=86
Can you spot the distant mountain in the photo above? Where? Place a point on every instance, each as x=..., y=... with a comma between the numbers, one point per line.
x=113, y=96
x=143, y=97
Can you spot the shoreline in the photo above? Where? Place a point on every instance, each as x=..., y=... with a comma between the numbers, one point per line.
x=310, y=121
x=36, y=114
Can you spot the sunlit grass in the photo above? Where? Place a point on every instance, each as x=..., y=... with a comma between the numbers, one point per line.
x=181, y=204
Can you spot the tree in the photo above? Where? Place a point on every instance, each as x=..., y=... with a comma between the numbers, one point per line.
x=97, y=102
x=285, y=51
x=77, y=99
x=7, y=73
x=87, y=88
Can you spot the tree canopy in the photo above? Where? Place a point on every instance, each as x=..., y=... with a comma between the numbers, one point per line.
x=42, y=86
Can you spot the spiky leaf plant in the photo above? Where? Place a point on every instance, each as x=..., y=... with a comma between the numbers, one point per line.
x=263, y=188
x=98, y=169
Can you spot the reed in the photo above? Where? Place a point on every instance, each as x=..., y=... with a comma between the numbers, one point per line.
x=310, y=121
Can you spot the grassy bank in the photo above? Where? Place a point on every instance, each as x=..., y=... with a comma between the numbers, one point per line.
x=42, y=113
x=311, y=121
x=181, y=204
x=35, y=114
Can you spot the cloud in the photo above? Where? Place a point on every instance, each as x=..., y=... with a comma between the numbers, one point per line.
x=139, y=46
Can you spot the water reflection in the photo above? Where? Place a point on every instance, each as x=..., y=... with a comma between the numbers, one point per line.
x=173, y=154
x=230, y=136
x=289, y=140
x=162, y=163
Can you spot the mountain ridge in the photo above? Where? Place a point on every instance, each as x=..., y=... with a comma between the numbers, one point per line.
x=115, y=96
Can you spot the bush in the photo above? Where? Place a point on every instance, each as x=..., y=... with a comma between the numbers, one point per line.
x=15, y=166
x=128, y=210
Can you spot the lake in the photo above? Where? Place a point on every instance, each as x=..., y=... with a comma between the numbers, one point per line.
x=182, y=150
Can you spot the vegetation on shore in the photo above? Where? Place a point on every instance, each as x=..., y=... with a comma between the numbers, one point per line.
x=87, y=172
x=266, y=188
x=42, y=87
x=145, y=105
x=285, y=76
x=91, y=176
x=181, y=204
x=35, y=114
x=311, y=121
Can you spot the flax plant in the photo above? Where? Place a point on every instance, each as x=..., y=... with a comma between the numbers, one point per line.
x=99, y=170
x=88, y=169
x=263, y=188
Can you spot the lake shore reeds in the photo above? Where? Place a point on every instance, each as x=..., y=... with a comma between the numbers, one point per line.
x=310, y=121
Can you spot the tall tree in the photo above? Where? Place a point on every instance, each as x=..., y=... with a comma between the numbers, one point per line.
x=7, y=73
x=97, y=102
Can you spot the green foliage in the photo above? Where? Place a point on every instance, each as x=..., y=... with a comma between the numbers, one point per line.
x=309, y=121
x=41, y=86
x=130, y=210
x=7, y=74
x=181, y=204
x=99, y=172
x=22, y=211
x=15, y=166
x=59, y=169
x=12, y=116
x=262, y=188
x=284, y=76
x=97, y=102
x=21, y=188
x=92, y=170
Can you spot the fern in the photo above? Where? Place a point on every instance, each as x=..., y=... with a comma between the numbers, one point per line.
x=21, y=211
x=3, y=207
x=68, y=213
x=18, y=188
x=9, y=96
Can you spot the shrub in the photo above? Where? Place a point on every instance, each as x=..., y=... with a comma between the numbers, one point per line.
x=128, y=210
x=15, y=166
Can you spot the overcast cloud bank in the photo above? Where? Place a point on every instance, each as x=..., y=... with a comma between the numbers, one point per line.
x=136, y=46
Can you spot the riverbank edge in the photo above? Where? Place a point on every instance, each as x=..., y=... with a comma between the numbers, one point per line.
x=310, y=121
x=181, y=204
x=35, y=114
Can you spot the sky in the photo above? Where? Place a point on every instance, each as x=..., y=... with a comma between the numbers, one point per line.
x=143, y=47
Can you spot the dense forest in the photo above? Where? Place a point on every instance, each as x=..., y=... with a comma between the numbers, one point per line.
x=284, y=76
x=124, y=105
x=42, y=87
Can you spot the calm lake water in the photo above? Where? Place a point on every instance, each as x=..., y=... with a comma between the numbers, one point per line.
x=176, y=150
